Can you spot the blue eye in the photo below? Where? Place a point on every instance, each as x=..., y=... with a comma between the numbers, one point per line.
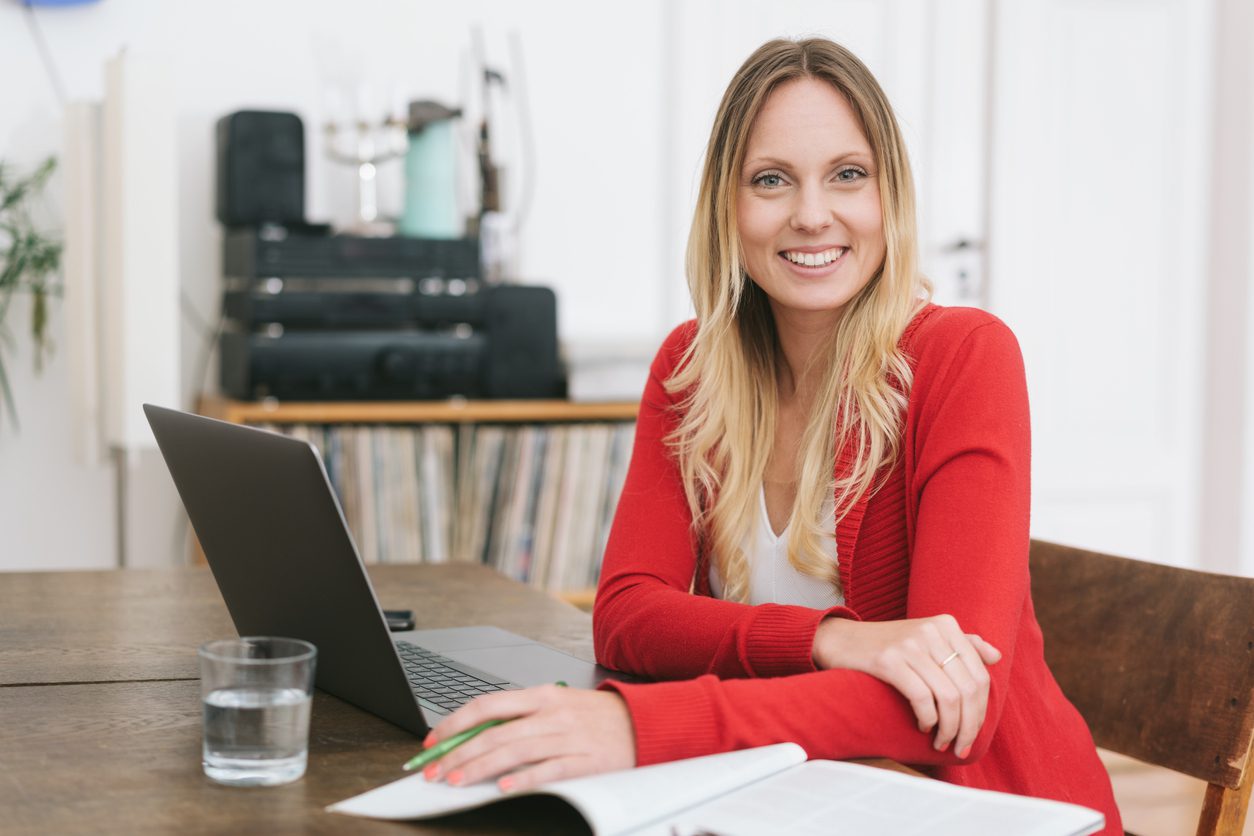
x=856, y=172
x=769, y=180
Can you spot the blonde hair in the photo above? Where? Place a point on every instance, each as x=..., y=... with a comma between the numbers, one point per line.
x=729, y=373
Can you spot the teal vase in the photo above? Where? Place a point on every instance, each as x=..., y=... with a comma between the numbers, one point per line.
x=431, y=174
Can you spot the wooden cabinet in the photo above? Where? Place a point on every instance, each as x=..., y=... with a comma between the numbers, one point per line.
x=528, y=487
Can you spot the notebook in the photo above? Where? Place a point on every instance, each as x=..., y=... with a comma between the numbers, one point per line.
x=767, y=790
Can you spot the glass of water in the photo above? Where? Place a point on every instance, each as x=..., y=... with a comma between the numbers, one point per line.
x=256, y=692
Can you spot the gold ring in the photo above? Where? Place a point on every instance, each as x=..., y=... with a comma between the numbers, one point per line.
x=949, y=658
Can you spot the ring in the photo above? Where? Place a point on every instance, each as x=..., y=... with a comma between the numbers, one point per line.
x=949, y=658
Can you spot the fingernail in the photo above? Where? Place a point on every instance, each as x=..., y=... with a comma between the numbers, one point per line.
x=429, y=740
x=964, y=752
x=942, y=747
x=506, y=784
x=431, y=772
x=456, y=777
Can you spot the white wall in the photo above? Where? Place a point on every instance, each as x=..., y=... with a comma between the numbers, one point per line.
x=595, y=233
x=1099, y=219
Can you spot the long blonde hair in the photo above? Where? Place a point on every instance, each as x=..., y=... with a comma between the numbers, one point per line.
x=729, y=373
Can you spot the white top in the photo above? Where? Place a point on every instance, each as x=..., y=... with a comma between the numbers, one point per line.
x=772, y=579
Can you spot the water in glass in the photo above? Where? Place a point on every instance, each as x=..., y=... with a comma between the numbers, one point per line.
x=256, y=736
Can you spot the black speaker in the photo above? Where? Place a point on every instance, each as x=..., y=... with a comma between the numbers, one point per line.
x=261, y=168
x=522, y=358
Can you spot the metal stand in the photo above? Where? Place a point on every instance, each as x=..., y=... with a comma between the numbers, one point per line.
x=370, y=144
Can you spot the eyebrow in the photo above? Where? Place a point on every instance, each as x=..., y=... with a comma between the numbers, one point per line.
x=778, y=163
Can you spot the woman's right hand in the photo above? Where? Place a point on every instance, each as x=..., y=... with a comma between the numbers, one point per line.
x=915, y=656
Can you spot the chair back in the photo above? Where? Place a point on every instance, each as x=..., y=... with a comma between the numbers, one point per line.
x=1159, y=661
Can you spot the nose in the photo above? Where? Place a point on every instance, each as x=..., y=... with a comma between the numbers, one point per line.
x=812, y=211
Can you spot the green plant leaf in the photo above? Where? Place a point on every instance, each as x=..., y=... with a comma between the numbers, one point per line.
x=10, y=406
x=39, y=326
x=29, y=260
x=4, y=307
x=33, y=183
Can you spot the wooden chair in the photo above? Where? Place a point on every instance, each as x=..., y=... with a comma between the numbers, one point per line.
x=1160, y=662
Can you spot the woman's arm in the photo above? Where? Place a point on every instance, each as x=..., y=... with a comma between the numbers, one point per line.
x=940, y=670
x=645, y=620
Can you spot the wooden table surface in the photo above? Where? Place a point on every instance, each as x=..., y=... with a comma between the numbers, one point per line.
x=100, y=725
x=100, y=716
x=137, y=624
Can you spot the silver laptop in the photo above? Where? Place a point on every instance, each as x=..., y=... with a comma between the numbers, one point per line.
x=276, y=541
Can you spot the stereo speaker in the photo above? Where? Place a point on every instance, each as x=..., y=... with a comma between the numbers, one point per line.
x=523, y=357
x=261, y=168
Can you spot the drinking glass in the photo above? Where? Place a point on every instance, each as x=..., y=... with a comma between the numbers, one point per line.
x=256, y=692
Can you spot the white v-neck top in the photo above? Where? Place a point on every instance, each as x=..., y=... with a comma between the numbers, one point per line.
x=772, y=579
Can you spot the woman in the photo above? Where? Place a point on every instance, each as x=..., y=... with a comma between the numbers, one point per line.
x=817, y=395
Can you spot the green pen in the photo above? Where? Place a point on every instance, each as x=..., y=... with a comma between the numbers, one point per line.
x=441, y=749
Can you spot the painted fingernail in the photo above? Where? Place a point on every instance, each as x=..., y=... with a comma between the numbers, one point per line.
x=429, y=740
x=456, y=777
x=506, y=784
x=965, y=752
x=431, y=772
x=942, y=747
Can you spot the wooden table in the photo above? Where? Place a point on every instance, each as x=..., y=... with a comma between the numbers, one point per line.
x=100, y=727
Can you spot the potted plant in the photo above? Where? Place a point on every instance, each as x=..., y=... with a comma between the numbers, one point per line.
x=29, y=262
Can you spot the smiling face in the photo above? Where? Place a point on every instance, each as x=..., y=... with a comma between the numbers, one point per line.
x=808, y=204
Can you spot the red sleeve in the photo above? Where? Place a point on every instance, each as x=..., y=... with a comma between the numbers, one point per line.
x=968, y=449
x=972, y=477
x=645, y=620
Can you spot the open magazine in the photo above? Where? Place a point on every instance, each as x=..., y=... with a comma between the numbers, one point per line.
x=768, y=790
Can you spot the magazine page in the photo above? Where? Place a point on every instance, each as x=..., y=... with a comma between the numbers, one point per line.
x=623, y=802
x=612, y=803
x=821, y=797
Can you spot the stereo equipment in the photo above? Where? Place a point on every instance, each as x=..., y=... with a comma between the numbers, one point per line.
x=522, y=351
x=353, y=365
x=279, y=252
x=505, y=346
x=343, y=317
x=356, y=303
x=261, y=168
x=276, y=276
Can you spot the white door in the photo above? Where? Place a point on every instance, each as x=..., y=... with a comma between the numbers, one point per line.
x=1098, y=192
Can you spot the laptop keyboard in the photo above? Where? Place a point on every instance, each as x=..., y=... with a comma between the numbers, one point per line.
x=442, y=685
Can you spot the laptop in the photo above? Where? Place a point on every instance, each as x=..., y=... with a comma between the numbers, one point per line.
x=276, y=541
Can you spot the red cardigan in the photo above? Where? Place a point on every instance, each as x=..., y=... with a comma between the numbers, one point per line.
x=947, y=533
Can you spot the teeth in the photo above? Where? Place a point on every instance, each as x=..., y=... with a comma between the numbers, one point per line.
x=815, y=259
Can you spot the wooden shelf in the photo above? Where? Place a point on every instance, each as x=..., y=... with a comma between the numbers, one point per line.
x=581, y=598
x=413, y=412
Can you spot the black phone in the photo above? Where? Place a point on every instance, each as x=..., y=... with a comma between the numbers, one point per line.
x=399, y=620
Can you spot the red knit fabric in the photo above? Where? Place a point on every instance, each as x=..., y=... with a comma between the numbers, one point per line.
x=946, y=533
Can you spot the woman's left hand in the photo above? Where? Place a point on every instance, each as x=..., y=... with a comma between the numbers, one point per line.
x=553, y=733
